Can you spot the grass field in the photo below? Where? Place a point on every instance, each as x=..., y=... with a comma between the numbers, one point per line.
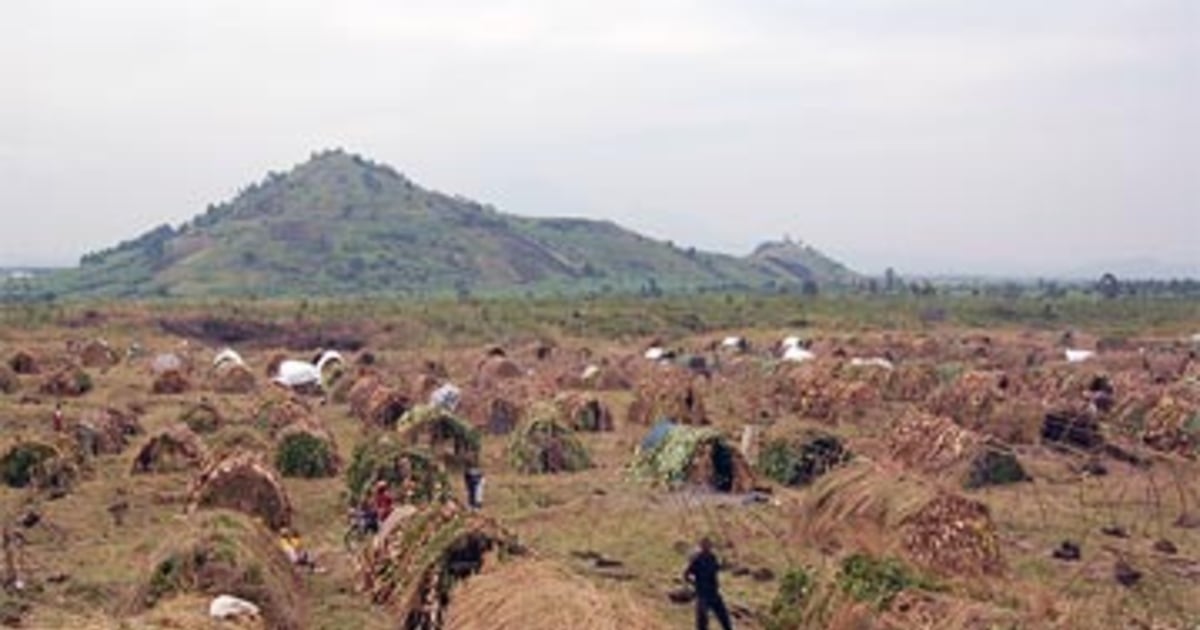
x=80, y=567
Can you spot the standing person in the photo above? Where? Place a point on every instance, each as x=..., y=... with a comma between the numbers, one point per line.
x=58, y=417
x=382, y=501
x=473, y=477
x=701, y=573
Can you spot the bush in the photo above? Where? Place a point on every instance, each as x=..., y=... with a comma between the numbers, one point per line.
x=877, y=581
x=377, y=460
x=788, y=607
x=305, y=455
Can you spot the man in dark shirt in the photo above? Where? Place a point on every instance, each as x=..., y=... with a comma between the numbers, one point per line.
x=701, y=573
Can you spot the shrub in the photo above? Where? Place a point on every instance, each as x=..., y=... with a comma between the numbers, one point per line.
x=305, y=455
x=788, y=607
x=877, y=581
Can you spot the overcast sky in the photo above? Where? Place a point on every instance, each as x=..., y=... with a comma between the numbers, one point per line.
x=1019, y=136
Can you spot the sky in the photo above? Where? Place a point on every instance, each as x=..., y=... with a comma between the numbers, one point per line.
x=933, y=136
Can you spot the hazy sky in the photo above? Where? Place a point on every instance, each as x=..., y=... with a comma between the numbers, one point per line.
x=952, y=135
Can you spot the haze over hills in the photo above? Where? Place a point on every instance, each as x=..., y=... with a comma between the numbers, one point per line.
x=342, y=224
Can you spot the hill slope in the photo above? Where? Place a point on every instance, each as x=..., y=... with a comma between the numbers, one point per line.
x=341, y=224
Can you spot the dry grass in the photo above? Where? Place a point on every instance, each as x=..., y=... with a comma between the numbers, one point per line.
x=647, y=532
x=540, y=595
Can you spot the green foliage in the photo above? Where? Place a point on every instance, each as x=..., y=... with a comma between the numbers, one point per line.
x=334, y=225
x=302, y=454
x=545, y=444
x=387, y=460
x=436, y=428
x=877, y=581
x=670, y=460
x=799, y=462
x=19, y=466
x=788, y=608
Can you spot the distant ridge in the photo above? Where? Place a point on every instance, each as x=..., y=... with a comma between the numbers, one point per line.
x=341, y=224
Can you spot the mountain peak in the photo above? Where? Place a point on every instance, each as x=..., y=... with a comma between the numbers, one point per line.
x=340, y=223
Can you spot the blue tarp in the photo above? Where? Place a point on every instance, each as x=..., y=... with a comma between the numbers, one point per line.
x=657, y=435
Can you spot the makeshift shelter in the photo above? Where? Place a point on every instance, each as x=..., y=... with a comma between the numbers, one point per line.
x=413, y=563
x=936, y=446
x=23, y=362
x=944, y=533
x=585, y=413
x=306, y=450
x=412, y=475
x=694, y=456
x=502, y=416
x=672, y=398
x=530, y=594
x=68, y=381
x=230, y=377
x=495, y=369
x=40, y=465
x=545, y=444
x=9, y=381
x=816, y=390
x=1172, y=425
x=177, y=449
x=275, y=414
x=910, y=381
x=105, y=431
x=243, y=482
x=224, y=553
x=203, y=417
x=384, y=407
x=454, y=442
x=798, y=460
x=171, y=382
x=96, y=353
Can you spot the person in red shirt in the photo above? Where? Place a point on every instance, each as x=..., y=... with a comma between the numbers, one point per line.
x=382, y=501
x=58, y=417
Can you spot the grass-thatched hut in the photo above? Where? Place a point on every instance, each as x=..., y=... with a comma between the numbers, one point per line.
x=412, y=566
x=672, y=398
x=936, y=446
x=23, y=362
x=43, y=466
x=9, y=381
x=861, y=503
x=797, y=460
x=452, y=440
x=105, y=431
x=171, y=382
x=96, y=353
x=692, y=456
x=243, y=482
x=224, y=553
x=233, y=378
x=306, y=450
x=203, y=417
x=585, y=412
x=177, y=449
x=68, y=381
x=277, y=413
x=411, y=474
x=545, y=444
x=529, y=594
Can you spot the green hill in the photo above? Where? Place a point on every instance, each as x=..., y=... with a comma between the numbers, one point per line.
x=341, y=224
